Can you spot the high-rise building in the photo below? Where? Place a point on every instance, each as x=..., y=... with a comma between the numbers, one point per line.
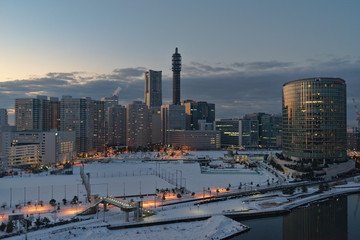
x=229, y=130
x=153, y=89
x=196, y=111
x=28, y=114
x=249, y=133
x=271, y=130
x=176, y=68
x=109, y=102
x=99, y=125
x=155, y=124
x=40, y=113
x=172, y=119
x=54, y=118
x=116, y=116
x=314, y=119
x=4, y=124
x=138, y=127
x=77, y=114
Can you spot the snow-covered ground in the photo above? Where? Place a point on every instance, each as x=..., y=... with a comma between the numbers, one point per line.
x=217, y=227
x=134, y=177
x=120, y=177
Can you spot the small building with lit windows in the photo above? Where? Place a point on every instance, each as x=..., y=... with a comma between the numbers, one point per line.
x=196, y=140
x=314, y=119
x=30, y=148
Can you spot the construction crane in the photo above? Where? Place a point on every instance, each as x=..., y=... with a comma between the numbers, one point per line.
x=357, y=112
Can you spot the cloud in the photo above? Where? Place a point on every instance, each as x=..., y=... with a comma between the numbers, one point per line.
x=236, y=88
x=262, y=65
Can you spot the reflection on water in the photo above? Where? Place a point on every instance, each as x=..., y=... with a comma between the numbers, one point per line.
x=335, y=219
x=320, y=221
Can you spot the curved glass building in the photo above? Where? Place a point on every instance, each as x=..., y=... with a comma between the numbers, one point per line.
x=314, y=119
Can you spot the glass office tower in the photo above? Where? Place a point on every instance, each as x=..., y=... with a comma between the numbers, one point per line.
x=314, y=119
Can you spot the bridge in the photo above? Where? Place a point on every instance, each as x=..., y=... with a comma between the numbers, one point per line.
x=125, y=206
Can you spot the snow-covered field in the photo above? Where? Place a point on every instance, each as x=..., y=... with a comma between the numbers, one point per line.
x=119, y=177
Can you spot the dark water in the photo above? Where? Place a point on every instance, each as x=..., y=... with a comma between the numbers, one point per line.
x=335, y=219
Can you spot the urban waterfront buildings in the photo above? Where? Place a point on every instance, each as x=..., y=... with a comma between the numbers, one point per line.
x=153, y=89
x=314, y=119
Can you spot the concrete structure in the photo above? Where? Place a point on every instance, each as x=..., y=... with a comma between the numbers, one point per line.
x=229, y=129
x=138, y=126
x=314, y=119
x=196, y=140
x=172, y=119
x=38, y=147
x=176, y=68
x=116, y=118
x=153, y=89
x=196, y=111
x=77, y=115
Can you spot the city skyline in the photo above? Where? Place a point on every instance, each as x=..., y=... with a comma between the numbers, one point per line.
x=88, y=50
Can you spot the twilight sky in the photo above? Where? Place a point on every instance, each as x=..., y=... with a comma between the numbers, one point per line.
x=236, y=54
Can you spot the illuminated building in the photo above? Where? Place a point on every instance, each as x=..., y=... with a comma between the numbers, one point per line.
x=155, y=124
x=116, y=125
x=229, y=130
x=77, y=114
x=314, y=119
x=99, y=125
x=40, y=113
x=249, y=133
x=196, y=140
x=196, y=111
x=172, y=119
x=153, y=89
x=38, y=147
x=109, y=102
x=138, y=127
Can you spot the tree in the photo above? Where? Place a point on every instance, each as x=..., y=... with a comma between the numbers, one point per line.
x=46, y=220
x=75, y=200
x=178, y=195
x=64, y=201
x=2, y=226
x=52, y=202
x=193, y=194
x=9, y=227
x=38, y=222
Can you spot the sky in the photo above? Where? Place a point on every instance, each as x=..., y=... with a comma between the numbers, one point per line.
x=236, y=54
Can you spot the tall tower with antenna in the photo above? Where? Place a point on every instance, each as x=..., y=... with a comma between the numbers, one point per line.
x=176, y=68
